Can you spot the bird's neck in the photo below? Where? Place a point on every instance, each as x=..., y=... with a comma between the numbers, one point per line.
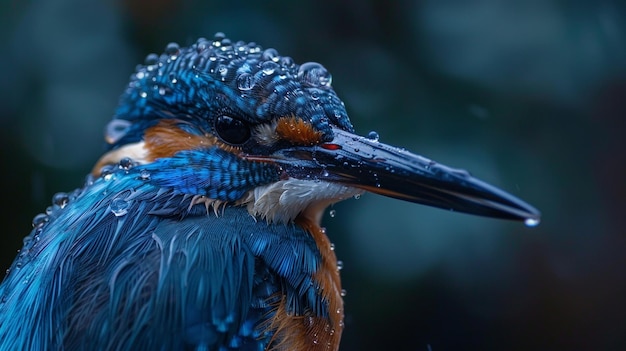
x=309, y=332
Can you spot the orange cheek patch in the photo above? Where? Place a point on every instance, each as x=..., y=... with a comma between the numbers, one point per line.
x=165, y=139
x=297, y=131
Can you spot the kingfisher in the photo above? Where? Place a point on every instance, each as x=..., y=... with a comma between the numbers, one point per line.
x=200, y=226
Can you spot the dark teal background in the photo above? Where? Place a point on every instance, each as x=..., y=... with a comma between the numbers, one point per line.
x=528, y=95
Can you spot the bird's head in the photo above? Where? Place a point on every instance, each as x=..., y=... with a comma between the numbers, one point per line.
x=238, y=124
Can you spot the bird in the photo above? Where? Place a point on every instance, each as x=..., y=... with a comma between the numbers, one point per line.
x=199, y=228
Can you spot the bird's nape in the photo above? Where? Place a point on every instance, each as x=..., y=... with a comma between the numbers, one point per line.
x=199, y=228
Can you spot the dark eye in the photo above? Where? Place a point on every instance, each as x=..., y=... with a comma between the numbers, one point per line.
x=232, y=131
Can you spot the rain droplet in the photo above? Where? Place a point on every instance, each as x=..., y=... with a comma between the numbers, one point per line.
x=119, y=207
x=269, y=67
x=373, y=136
x=315, y=75
x=271, y=55
x=315, y=94
x=226, y=44
x=144, y=174
x=126, y=163
x=201, y=46
x=286, y=61
x=143, y=94
x=173, y=50
x=357, y=196
x=332, y=247
x=325, y=173
x=151, y=59
x=344, y=292
x=253, y=47
x=39, y=220
x=106, y=174
x=60, y=199
x=223, y=71
x=339, y=265
x=332, y=213
x=173, y=78
x=532, y=222
x=88, y=180
x=245, y=81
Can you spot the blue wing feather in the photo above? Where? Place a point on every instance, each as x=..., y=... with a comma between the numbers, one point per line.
x=127, y=265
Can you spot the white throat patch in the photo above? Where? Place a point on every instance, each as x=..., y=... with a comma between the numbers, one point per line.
x=284, y=200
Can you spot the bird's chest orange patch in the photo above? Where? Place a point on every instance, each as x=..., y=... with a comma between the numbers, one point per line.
x=308, y=332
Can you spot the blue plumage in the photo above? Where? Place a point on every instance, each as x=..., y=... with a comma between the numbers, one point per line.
x=124, y=278
x=136, y=259
x=213, y=172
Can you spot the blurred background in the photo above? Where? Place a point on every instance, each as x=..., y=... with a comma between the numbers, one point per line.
x=529, y=95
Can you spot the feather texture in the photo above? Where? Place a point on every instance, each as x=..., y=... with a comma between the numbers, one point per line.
x=127, y=265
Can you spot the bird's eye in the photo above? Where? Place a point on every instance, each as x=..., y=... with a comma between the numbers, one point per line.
x=232, y=131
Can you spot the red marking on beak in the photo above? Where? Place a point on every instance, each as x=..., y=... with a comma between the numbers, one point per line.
x=330, y=146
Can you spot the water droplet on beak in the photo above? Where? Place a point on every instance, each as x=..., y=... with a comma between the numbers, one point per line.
x=532, y=222
x=373, y=135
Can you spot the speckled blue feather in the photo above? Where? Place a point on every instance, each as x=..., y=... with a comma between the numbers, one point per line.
x=212, y=172
x=211, y=78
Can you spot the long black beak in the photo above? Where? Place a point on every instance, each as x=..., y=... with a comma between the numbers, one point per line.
x=364, y=163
